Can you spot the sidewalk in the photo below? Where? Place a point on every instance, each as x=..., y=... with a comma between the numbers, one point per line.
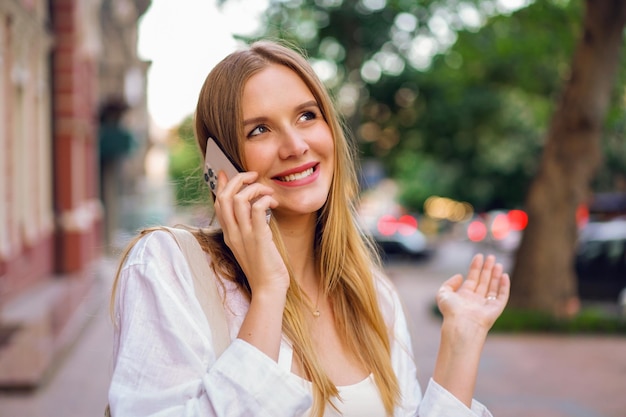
x=554, y=376
x=529, y=375
x=77, y=384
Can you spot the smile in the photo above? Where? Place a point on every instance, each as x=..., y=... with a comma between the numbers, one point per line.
x=297, y=176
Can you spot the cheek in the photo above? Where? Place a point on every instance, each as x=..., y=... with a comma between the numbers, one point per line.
x=258, y=158
x=325, y=143
x=330, y=150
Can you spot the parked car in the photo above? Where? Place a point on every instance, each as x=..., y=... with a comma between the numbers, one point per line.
x=601, y=260
x=501, y=229
x=398, y=235
x=392, y=227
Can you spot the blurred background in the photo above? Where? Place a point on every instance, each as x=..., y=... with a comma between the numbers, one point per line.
x=482, y=126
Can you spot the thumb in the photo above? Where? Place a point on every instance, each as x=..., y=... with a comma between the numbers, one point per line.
x=451, y=285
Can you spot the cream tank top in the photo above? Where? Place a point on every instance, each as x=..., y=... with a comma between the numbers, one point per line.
x=357, y=400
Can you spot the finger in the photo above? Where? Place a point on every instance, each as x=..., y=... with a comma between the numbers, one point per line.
x=505, y=288
x=260, y=209
x=496, y=278
x=236, y=183
x=241, y=210
x=245, y=200
x=223, y=208
x=224, y=190
x=474, y=272
x=485, y=275
x=227, y=189
x=451, y=285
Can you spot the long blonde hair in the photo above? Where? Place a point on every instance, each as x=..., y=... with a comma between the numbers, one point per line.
x=344, y=258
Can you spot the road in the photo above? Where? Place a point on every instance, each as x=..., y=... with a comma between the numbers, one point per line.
x=526, y=375
x=520, y=375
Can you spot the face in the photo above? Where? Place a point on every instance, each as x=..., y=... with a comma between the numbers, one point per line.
x=287, y=141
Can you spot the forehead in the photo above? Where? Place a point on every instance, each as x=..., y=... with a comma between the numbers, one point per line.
x=275, y=85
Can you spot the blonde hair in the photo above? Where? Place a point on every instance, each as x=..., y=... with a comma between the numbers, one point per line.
x=345, y=259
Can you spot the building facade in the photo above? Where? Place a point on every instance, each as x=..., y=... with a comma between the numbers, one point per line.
x=52, y=83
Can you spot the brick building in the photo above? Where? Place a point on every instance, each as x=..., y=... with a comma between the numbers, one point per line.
x=59, y=61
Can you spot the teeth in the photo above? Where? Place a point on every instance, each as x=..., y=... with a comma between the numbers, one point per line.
x=297, y=176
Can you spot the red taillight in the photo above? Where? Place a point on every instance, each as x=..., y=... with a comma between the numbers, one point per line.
x=387, y=225
x=582, y=215
x=476, y=231
x=500, y=226
x=407, y=225
x=518, y=219
x=408, y=220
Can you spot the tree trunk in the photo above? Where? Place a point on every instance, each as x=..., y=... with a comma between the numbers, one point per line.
x=543, y=277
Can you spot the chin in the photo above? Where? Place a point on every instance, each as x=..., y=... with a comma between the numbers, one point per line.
x=301, y=207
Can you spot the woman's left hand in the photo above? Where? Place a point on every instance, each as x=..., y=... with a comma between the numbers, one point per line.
x=469, y=307
x=477, y=301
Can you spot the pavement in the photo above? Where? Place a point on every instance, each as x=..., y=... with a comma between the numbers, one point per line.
x=76, y=385
x=530, y=375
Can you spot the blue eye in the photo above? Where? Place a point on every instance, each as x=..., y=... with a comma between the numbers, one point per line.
x=308, y=115
x=258, y=130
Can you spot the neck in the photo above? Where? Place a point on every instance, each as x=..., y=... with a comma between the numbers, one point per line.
x=298, y=235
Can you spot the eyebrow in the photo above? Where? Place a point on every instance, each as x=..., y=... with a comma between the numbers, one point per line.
x=308, y=104
x=300, y=107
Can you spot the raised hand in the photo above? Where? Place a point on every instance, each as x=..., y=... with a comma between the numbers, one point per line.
x=469, y=308
x=479, y=299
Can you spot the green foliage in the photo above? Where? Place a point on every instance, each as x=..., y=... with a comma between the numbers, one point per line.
x=486, y=104
x=451, y=106
x=588, y=321
x=185, y=168
x=612, y=173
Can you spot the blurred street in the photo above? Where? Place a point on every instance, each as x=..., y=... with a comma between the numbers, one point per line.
x=466, y=118
x=520, y=375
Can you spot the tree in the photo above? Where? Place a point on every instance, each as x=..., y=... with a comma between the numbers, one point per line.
x=486, y=101
x=543, y=276
x=435, y=117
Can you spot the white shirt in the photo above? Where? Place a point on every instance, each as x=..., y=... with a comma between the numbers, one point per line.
x=165, y=365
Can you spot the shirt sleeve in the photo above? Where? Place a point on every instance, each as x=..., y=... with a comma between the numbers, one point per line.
x=439, y=402
x=436, y=400
x=164, y=362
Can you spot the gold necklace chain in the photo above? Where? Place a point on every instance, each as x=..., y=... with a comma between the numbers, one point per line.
x=316, y=311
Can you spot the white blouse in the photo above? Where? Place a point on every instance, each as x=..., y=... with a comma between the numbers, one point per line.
x=165, y=365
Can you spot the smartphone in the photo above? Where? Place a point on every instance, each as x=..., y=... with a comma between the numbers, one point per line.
x=216, y=160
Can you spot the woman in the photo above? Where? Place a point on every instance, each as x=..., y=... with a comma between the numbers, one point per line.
x=316, y=329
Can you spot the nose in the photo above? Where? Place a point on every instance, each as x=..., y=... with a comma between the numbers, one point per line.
x=293, y=144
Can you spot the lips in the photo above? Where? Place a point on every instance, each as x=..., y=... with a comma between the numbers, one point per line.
x=297, y=174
